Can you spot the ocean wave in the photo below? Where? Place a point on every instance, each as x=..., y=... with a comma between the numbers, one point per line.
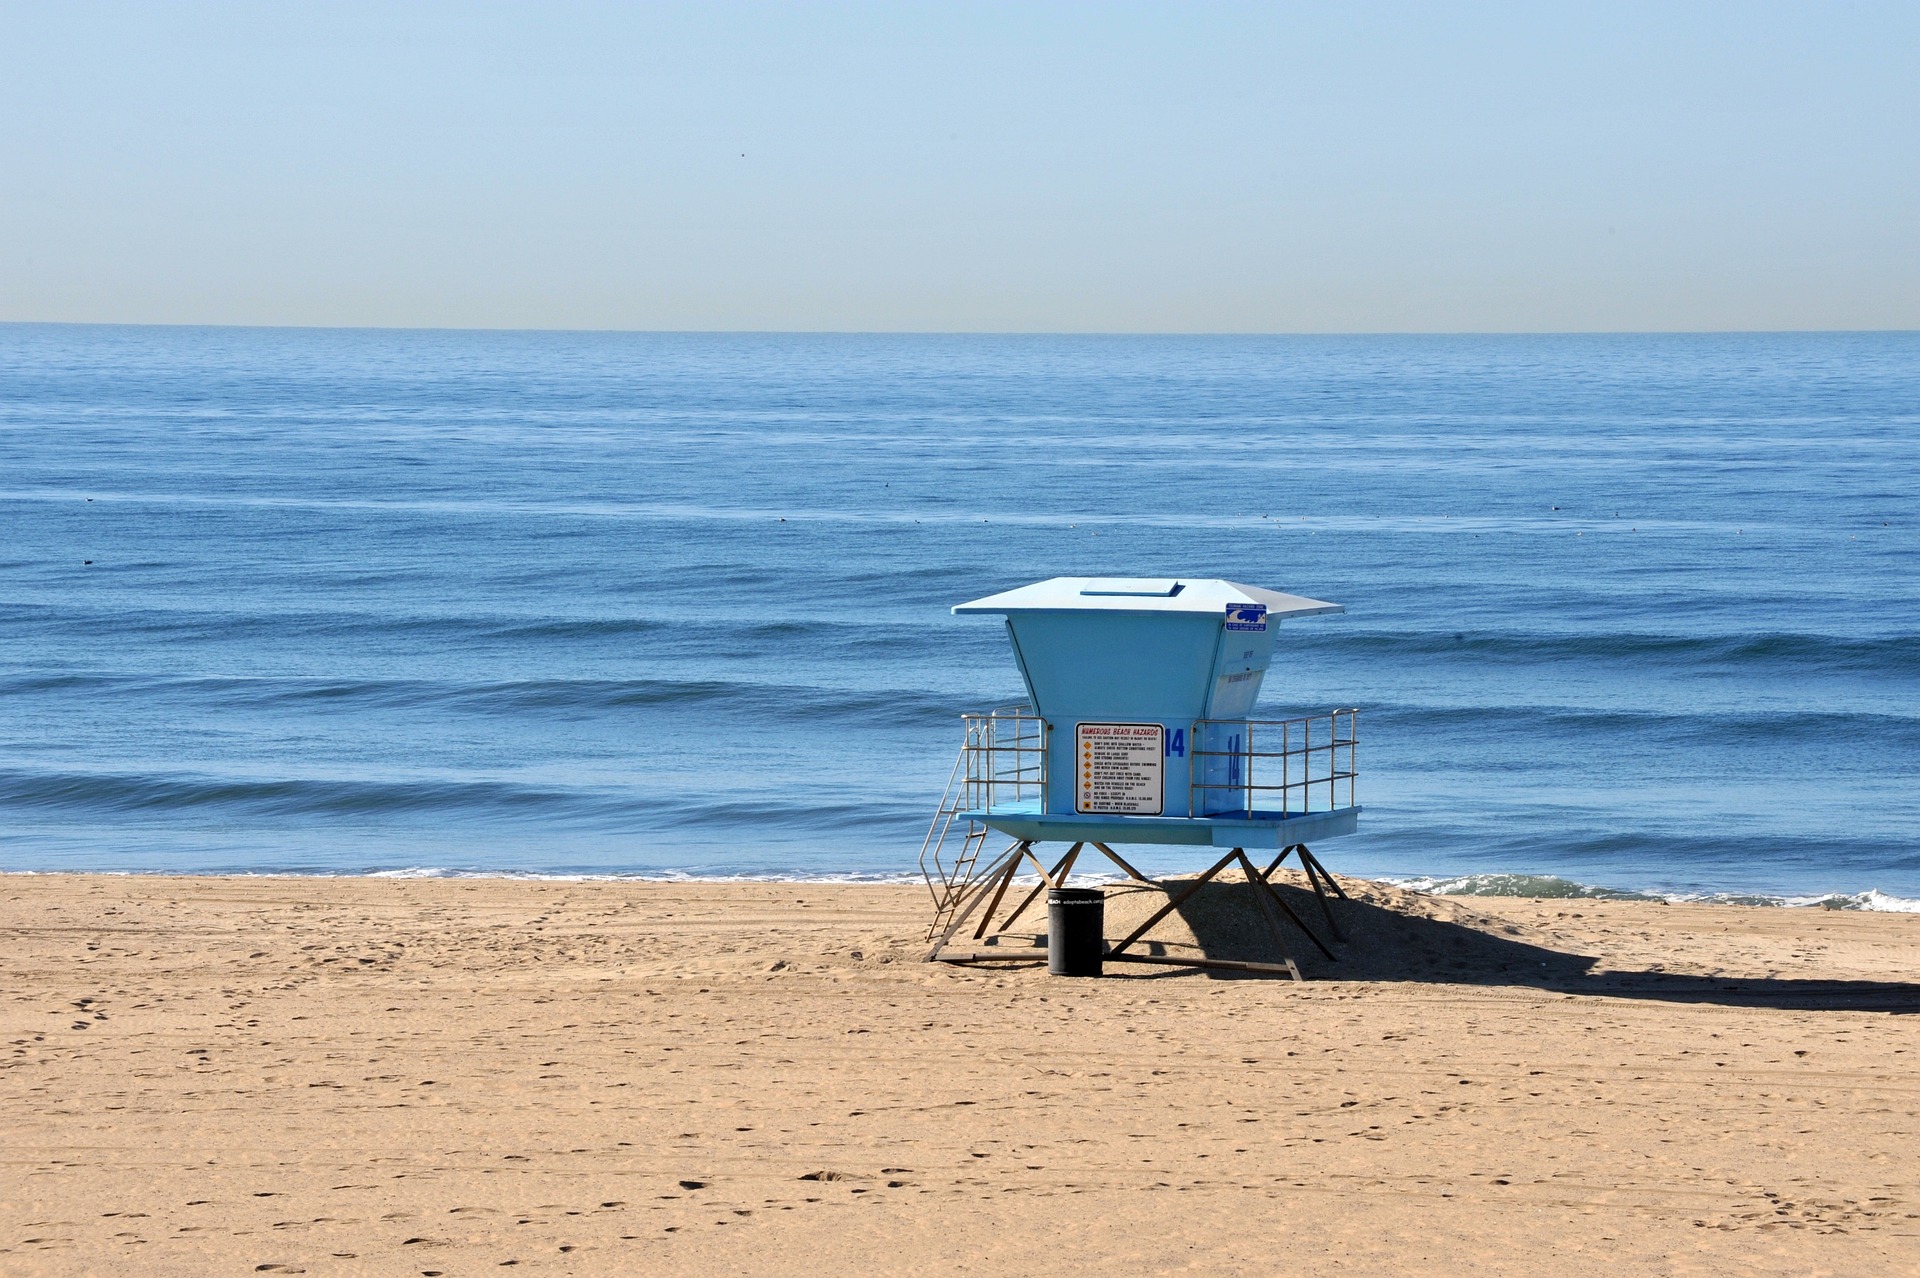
x=149, y=792
x=1553, y=887
x=652, y=875
x=1872, y=900
x=629, y=876
x=611, y=809
x=1764, y=654
x=1795, y=652
x=877, y=705
x=1544, y=886
x=893, y=705
x=404, y=622
x=1459, y=724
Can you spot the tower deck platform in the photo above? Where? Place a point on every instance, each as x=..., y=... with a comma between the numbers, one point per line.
x=1026, y=821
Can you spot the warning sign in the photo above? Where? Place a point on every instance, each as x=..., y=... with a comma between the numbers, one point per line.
x=1119, y=767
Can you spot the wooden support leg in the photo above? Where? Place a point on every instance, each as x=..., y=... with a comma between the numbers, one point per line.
x=1116, y=858
x=962, y=913
x=1284, y=852
x=1266, y=890
x=1006, y=881
x=1255, y=883
x=1223, y=965
x=1177, y=901
x=1317, y=876
x=1039, y=867
x=1316, y=873
x=1058, y=879
x=1323, y=871
x=1062, y=870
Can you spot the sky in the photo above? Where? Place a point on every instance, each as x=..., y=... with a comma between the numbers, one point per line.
x=1337, y=167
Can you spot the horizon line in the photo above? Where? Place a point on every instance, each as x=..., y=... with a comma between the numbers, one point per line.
x=963, y=332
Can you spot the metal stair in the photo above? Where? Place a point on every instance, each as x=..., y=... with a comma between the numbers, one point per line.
x=1003, y=757
x=948, y=882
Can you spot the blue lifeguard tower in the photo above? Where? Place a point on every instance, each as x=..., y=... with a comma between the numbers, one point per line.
x=1138, y=730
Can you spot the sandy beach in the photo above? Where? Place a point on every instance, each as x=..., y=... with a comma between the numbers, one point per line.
x=379, y=1076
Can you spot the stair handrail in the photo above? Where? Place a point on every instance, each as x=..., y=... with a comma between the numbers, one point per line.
x=975, y=783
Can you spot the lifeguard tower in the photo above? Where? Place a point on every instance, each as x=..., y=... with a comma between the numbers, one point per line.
x=1137, y=731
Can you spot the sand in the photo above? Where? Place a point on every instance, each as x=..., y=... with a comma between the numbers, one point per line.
x=363, y=1076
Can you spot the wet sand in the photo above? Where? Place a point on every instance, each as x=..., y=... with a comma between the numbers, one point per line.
x=362, y=1076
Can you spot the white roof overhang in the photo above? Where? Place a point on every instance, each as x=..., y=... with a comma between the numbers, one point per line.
x=1145, y=594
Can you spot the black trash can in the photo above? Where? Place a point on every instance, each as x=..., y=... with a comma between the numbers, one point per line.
x=1076, y=931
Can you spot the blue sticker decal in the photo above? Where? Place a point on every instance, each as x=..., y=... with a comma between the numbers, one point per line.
x=1248, y=616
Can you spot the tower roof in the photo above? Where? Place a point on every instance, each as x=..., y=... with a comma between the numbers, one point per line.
x=1145, y=594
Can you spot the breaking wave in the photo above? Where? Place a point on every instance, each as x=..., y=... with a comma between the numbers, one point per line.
x=1552, y=887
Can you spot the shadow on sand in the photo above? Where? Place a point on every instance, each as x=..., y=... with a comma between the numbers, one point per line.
x=1393, y=935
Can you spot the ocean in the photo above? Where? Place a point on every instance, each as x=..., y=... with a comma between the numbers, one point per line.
x=1625, y=613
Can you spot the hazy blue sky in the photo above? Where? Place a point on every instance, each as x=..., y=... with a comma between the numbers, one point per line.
x=1345, y=167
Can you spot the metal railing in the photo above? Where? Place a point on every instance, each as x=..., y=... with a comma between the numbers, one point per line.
x=1284, y=766
x=1003, y=759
